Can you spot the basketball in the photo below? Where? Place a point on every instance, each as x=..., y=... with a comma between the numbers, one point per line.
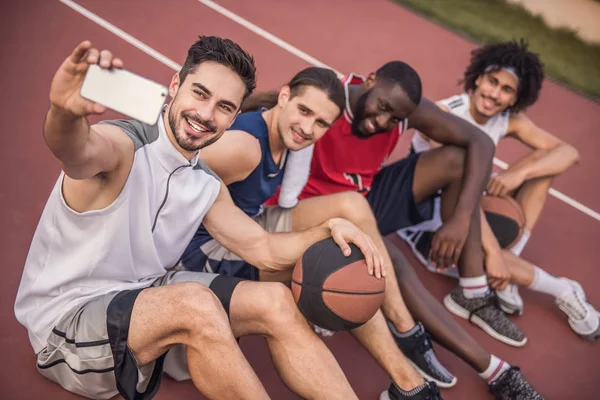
x=505, y=217
x=333, y=291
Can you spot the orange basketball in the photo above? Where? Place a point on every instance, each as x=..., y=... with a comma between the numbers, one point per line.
x=506, y=218
x=333, y=291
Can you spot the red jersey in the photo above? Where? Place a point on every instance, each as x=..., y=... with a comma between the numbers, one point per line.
x=342, y=161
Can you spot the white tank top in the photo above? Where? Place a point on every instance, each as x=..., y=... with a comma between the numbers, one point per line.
x=459, y=105
x=75, y=257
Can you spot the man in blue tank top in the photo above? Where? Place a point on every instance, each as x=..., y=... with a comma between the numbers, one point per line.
x=251, y=160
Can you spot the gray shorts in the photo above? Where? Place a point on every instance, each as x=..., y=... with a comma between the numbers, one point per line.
x=87, y=351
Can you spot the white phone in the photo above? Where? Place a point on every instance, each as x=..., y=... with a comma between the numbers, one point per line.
x=124, y=92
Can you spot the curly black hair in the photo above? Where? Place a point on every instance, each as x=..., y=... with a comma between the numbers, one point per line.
x=526, y=64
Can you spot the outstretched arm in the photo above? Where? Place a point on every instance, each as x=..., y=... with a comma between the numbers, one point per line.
x=279, y=251
x=84, y=151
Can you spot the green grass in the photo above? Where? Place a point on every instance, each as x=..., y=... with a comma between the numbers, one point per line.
x=566, y=57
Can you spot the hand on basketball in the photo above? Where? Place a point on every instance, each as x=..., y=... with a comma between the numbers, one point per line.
x=66, y=84
x=498, y=273
x=344, y=232
x=448, y=241
x=505, y=182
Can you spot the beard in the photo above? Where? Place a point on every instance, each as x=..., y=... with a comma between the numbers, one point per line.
x=188, y=142
x=359, y=116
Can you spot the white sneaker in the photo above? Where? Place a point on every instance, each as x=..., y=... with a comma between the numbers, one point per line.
x=510, y=300
x=583, y=318
x=323, y=332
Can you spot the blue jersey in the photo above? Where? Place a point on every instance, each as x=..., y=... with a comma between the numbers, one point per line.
x=263, y=182
x=249, y=194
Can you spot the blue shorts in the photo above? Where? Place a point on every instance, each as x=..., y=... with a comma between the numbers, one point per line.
x=392, y=199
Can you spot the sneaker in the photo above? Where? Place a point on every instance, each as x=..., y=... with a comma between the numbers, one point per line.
x=510, y=300
x=417, y=348
x=583, y=318
x=486, y=314
x=429, y=391
x=322, y=331
x=511, y=385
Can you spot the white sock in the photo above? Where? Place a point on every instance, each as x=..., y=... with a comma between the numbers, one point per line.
x=518, y=247
x=474, y=287
x=494, y=370
x=545, y=283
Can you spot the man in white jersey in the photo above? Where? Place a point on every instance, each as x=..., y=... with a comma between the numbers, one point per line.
x=501, y=81
x=104, y=313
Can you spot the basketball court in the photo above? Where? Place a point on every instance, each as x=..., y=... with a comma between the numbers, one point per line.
x=152, y=38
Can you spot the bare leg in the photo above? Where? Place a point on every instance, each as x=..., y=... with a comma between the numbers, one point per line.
x=532, y=196
x=521, y=270
x=190, y=313
x=434, y=317
x=533, y=193
x=304, y=362
x=376, y=338
x=442, y=168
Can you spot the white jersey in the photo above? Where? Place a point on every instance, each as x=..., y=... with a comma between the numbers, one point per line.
x=459, y=105
x=75, y=257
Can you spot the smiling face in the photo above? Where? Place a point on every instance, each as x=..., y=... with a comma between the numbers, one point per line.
x=494, y=93
x=380, y=109
x=304, y=117
x=204, y=105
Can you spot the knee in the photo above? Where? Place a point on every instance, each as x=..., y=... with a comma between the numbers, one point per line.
x=454, y=160
x=354, y=207
x=199, y=310
x=277, y=308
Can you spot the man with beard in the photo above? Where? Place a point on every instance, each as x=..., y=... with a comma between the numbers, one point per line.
x=104, y=313
x=350, y=157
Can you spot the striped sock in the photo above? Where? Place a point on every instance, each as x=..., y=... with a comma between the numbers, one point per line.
x=408, y=333
x=412, y=392
x=474, y=287
x=494, y=370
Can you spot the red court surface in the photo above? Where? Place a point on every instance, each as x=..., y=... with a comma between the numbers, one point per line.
x=350, y=36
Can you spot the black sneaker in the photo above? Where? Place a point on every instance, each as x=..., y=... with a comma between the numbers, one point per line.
x=512, y=386
x=429, y=391
x=486, y=314
x=417, y=348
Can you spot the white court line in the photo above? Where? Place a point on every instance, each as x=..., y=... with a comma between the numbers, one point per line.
x=297, y=52
x=123, y=35
x=284, y=45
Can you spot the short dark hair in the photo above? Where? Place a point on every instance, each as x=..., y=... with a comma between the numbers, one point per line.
x=400, y=73
x=527, y=65
x=321, y=78
x=225, y=52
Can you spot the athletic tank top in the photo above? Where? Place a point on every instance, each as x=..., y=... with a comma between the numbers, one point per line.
x=459, y=105
x=252, y=192
x=75, y=257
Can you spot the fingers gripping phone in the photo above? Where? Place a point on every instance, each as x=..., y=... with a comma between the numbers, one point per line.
x=124, y=92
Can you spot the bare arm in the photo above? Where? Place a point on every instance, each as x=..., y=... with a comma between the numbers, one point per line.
x=237, y=232
x=83, y=151
x=497, y=271
x=560, y=156
x=448, y=129
x=233, y=157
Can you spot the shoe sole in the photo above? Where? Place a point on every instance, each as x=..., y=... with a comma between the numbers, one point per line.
x=459, y=311
x=384, y=395
x=517, y=312
x=425, y=375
